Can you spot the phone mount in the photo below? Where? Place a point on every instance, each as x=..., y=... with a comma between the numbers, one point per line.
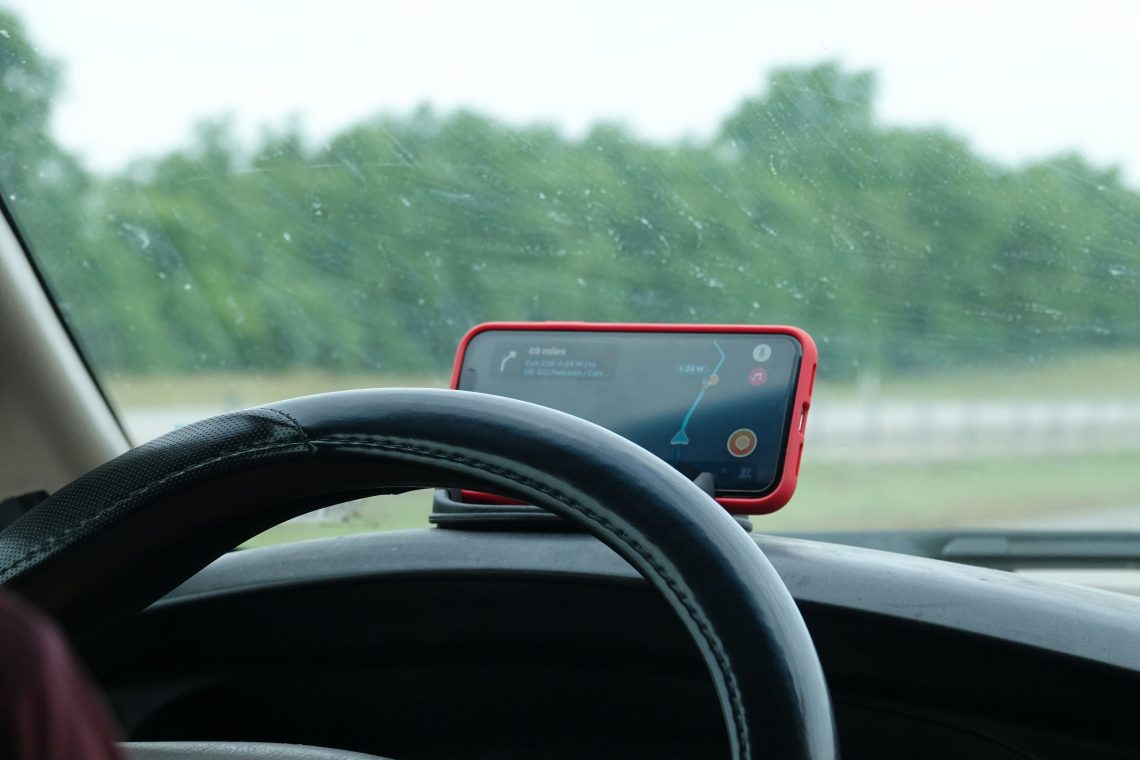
x=450, y=511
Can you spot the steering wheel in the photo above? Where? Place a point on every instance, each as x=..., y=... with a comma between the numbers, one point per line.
x=131, y=530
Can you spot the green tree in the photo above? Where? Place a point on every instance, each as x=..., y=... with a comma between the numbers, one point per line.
x=899, y=249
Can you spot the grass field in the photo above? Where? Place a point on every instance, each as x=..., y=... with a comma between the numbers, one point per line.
x=897, y=495
x=1096, y=375
x=379, y=513
x=248, y=389
x=850, y=496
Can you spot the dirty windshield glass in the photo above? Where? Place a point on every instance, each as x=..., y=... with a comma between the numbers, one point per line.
x=259, y=200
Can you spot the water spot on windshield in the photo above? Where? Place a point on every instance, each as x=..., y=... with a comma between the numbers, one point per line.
x=138, y=234
x=236, y=310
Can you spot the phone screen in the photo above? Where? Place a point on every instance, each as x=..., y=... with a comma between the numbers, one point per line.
x=717, y=403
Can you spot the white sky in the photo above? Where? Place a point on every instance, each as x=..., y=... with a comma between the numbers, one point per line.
x=1019, y=79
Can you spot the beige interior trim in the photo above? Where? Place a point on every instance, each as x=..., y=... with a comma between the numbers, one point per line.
x=54, y=423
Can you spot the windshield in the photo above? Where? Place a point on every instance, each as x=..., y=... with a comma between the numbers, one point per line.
x=255, y=201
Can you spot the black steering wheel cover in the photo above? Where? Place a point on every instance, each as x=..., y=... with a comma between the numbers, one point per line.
x=137, y=526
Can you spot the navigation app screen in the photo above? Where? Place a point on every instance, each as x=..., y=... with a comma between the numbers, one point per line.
x=715, y=403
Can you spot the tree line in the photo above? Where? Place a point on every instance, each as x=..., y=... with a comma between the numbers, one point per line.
x=899, y=249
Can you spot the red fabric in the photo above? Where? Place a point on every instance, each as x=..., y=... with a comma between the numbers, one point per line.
x=48, y=710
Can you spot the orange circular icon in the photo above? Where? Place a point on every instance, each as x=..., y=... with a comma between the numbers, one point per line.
x=742, y=442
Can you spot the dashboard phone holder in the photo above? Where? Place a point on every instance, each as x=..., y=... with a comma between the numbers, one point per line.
x=452, y=511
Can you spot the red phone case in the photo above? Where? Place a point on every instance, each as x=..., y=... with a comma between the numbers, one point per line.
x=789, y=473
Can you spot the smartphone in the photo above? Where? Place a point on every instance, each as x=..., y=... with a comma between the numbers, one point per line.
x=726, y=401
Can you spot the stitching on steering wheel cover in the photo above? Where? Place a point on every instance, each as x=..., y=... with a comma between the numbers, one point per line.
x=270, y=430
x=387, y=443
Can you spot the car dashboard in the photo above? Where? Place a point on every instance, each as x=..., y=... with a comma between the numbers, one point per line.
x=508, y=644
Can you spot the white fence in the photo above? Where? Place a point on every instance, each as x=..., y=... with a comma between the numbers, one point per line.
x=926, y=430
x=890, y=429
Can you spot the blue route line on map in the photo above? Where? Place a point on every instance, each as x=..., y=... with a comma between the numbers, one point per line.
x=681, y=438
